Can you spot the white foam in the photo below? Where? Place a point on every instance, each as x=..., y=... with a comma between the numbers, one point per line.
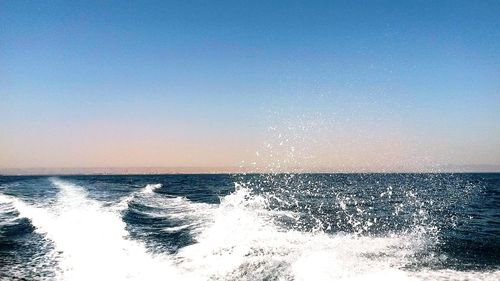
x=147, y=190
x=190, y=215
x=176, y=228
x=150, y=188
x=244, y=243
x=92, y=242
x=6, y=206
x=236, y=240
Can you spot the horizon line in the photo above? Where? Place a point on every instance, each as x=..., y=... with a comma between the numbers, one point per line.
x=158, y=170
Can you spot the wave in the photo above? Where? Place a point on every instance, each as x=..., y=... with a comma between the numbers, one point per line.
x=179, y=210
x=7, y=208
x=239, y=239
x=244, y=242
x=150, y=188
x=91, y=242
x=250, y=246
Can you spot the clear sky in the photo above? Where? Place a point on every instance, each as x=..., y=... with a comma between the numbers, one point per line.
x=333, y=84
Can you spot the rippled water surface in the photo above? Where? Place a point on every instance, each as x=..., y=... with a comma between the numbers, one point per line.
x=251, y=227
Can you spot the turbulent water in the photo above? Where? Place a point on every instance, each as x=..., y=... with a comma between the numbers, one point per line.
x=251, y=227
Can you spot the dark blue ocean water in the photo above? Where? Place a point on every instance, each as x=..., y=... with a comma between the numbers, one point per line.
x=251, y=227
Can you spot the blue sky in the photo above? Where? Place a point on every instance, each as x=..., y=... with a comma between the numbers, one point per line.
x=206, y=79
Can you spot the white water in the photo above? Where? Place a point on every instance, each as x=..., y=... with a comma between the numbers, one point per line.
x=93, y=242
x=236, y=241
x=243, y=243
x=189, y=215
x=150, y=188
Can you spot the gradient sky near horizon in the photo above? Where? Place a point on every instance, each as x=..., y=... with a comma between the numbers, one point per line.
x=336, y=84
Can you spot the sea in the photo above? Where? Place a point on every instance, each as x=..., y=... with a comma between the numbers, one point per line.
x=251, y=227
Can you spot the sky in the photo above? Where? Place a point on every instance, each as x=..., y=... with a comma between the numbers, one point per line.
x=328, y=85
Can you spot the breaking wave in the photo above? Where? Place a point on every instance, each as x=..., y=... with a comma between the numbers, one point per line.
x=241, y=238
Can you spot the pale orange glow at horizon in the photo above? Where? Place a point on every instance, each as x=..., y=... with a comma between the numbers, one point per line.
x=303, y=145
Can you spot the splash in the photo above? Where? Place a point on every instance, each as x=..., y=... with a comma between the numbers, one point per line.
x=242, y=238
x=150, y=188
x=245, y=240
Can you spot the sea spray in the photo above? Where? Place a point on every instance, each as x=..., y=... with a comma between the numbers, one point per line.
x=264, y=227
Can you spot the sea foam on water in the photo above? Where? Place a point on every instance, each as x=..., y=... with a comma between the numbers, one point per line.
x=241, y=238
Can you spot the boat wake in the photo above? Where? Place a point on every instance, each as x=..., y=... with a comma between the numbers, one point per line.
x=90, y=242
x=239, y=239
